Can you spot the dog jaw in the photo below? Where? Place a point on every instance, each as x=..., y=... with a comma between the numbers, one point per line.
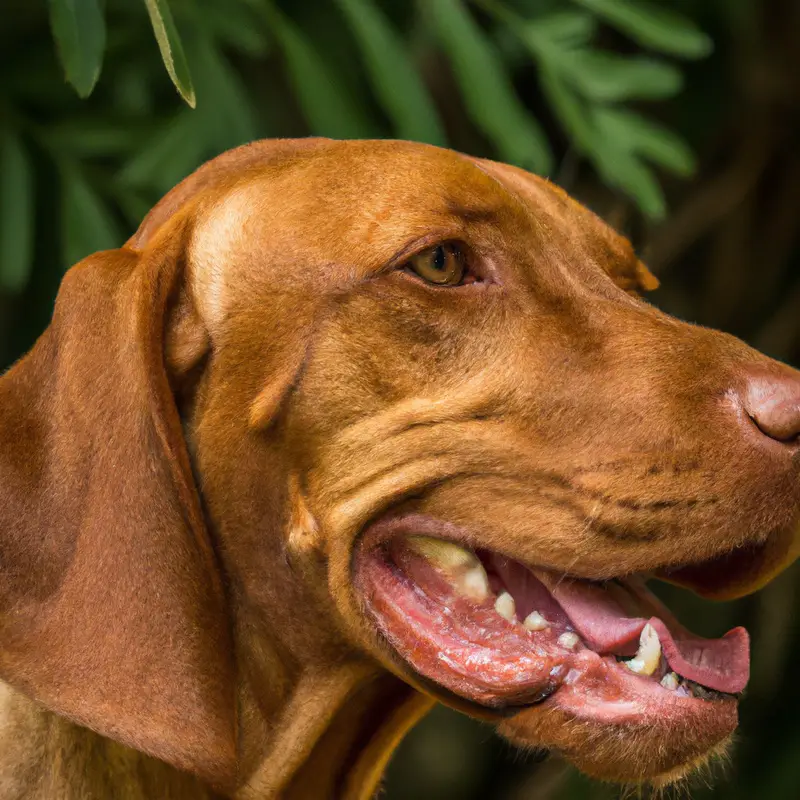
x=650, y=754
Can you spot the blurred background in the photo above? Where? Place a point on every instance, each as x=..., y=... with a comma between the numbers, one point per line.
x=676, y=120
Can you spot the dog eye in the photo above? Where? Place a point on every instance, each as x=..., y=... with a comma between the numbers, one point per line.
x=442, y=265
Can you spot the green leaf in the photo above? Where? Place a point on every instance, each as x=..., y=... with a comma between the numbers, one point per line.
x=87, y=223
x=96, y=136
x=486, y=88
x=653, y=26
x=599, y=75
x=133, y=205
x=392, y=75
x=80, y=33
x=133, y=96
x=569, y=109
x=646, y=137
x=169, y=42
x=613, y=157
x=570, y=29
x=326, y=104
x=608, y=77
x=234, y=24
x=226, y=115
x=620, y=168
x=16, y=214
x=171, y=154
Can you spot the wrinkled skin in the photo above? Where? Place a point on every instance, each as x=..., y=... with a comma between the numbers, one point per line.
x=546, y=411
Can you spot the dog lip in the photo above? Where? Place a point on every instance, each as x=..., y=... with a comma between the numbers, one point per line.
x=775, y=547
x=738, y=571
x=572, y=712
x=517, y=694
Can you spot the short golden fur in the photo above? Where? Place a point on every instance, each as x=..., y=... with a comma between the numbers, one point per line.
x=190, y=450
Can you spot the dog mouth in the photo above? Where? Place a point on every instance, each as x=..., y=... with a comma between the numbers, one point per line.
x=508, y=635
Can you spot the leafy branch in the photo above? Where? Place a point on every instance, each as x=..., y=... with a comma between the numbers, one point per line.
x=372, y=79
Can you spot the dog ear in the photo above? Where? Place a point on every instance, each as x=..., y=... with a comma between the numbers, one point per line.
x=112, y=609
x=630, y=274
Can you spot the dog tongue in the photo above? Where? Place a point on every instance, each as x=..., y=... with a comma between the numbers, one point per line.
x=599, y=614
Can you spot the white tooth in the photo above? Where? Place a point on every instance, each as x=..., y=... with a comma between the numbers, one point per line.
x=473, y=583
x=462, y=567
x=670, y=681
x=568, y=640
x=505, y=606
x=648, y=655
x=535, y=622
x=444, y=554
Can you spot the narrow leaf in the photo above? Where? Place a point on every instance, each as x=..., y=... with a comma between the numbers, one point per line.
x=570, y=29
x=235, y=24
x=226, y=115
x=622, y=169
x=170, y=155
x=169, y=42
x=16, y=214
x=614, y=160
x=569, y=110
x=392, y=75
x=646, y=137
x=132, y=204
x=653, y=26
x=486, y=88
x=608, y=77
x=326, y=104
x=87, y=223
x=96, y=136
x=80, y=34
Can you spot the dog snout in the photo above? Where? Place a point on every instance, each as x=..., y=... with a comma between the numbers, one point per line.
x=772, y=401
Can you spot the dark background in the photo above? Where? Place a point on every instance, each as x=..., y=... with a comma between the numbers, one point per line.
x=676, y=121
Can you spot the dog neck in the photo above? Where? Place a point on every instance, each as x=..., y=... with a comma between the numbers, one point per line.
x=44, y=755
x=330, y=734
x=332, y=738
x=313, y=720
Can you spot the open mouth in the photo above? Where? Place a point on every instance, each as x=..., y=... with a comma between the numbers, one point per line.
x=507, y=635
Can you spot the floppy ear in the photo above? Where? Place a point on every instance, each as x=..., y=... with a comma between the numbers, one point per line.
x=112, y=610
x=632, y=275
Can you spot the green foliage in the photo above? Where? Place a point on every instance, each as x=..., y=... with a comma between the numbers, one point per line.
x=80, y=33
x=396, y=82
x=169, y=43
x=585, y=87
x=87, y=224
x=653, y=26
x=340, y=68
x=328, y=105
x=487, y=89
x=16, y=213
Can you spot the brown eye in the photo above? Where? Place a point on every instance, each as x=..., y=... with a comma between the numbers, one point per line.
x=442, y=265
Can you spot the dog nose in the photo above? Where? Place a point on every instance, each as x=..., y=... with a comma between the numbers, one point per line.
x=773, y=403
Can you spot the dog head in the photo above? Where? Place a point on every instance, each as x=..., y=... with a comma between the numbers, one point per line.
x=429, y=418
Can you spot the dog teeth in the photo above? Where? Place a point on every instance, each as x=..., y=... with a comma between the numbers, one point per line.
x=670, y=681
x=647, y=657
x=569, y=640
x=473, y=584
x=461, y=566
x=505, y=606
x=443, y=554
x=535, y=622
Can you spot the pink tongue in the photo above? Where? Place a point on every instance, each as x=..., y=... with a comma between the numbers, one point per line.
x=721, y=664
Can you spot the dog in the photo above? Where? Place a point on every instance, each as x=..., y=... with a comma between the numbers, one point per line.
x=350, y=428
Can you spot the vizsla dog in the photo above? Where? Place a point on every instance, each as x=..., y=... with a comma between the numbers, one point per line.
x=350, y=428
